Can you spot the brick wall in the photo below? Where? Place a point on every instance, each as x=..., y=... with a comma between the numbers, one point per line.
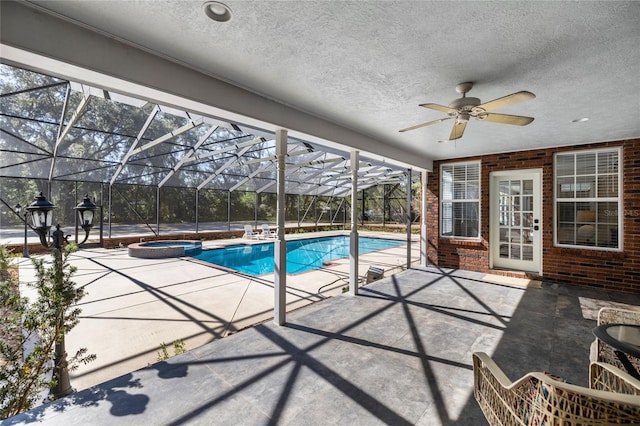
x=585, y=267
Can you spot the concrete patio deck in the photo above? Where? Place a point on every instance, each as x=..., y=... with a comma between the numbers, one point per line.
x=134, y=305
x=400, y=353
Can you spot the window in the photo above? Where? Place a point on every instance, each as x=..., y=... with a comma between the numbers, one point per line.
x=588, y=201
x=460, y=200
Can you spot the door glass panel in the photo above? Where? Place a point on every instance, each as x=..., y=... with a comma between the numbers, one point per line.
x=515, y=219
x=515, y=187
x=515, y=206
x=527, y=187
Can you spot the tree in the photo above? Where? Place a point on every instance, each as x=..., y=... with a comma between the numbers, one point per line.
x=41, y=323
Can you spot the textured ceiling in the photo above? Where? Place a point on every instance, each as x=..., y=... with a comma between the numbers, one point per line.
x=367, y=65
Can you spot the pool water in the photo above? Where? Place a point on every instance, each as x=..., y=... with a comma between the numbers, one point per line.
x=302, y=255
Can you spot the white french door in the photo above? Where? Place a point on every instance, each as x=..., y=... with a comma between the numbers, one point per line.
x=515, y=216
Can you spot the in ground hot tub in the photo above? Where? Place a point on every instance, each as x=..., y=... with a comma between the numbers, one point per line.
x=165, y=248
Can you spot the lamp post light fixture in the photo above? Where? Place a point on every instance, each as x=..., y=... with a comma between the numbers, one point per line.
x=86, y=212
x=41, y=211
x=25, y=247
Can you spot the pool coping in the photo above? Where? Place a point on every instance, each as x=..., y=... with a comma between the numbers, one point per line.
x=141, y=250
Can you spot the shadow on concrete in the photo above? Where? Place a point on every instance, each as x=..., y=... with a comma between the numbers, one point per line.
x=122, y=402
x=400, y=353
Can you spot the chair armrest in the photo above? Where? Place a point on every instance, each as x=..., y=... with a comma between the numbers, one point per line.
x=618, y=316
x=606, y=377
x=593, y=351
x=538, y=398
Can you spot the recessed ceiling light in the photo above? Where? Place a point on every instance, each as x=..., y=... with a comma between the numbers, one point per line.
x=217, y=11
x=580, y=120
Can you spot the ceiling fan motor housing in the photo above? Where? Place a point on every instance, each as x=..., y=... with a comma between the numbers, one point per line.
x=465, y=103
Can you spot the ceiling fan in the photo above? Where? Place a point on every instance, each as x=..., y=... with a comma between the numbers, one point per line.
x=465, y=107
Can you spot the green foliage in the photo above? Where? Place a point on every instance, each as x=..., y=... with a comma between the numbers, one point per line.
x=242, y=206
x=179, y=347
x=5, y=258
x=164, y=353
x=36, y=325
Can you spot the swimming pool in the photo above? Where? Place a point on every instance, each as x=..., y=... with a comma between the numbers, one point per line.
x=302, y=255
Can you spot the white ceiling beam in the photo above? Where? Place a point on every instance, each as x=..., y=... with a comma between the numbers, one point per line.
x=60, y=132
x=271, y=160
x=190, y=125
x=273, y=157
x=315, y=163
x=292, y=169
x=225, y=166
x=200, y=157
x=188, y=155
x=141, y=133
x=251, y=176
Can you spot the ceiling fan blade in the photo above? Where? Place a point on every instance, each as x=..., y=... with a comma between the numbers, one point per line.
x=505, y=101
x=428, y=123
x=438, y=107
x=516, y=120
x=458, y=130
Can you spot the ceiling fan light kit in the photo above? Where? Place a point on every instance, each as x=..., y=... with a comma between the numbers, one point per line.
x=463, y=117
x=463, y=108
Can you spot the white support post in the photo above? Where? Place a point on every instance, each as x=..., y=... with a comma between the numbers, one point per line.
x=158, y=212
x=197, y=210
x=280, y=244
x=229, y=211
x=109, y=209
x=409, y=219
x=353, y=237
x=424, y=242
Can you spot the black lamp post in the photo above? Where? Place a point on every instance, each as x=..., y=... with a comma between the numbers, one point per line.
x=25, y=247
x=41, y=211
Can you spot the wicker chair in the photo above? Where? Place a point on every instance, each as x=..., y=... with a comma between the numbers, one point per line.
x=539, y=399
x=606, y=377
x=600, y=351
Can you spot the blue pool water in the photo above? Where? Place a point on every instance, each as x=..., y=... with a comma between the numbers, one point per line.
x=302, y=255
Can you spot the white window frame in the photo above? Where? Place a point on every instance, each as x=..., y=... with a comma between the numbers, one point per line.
x=619, y=199
x=451, y=201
